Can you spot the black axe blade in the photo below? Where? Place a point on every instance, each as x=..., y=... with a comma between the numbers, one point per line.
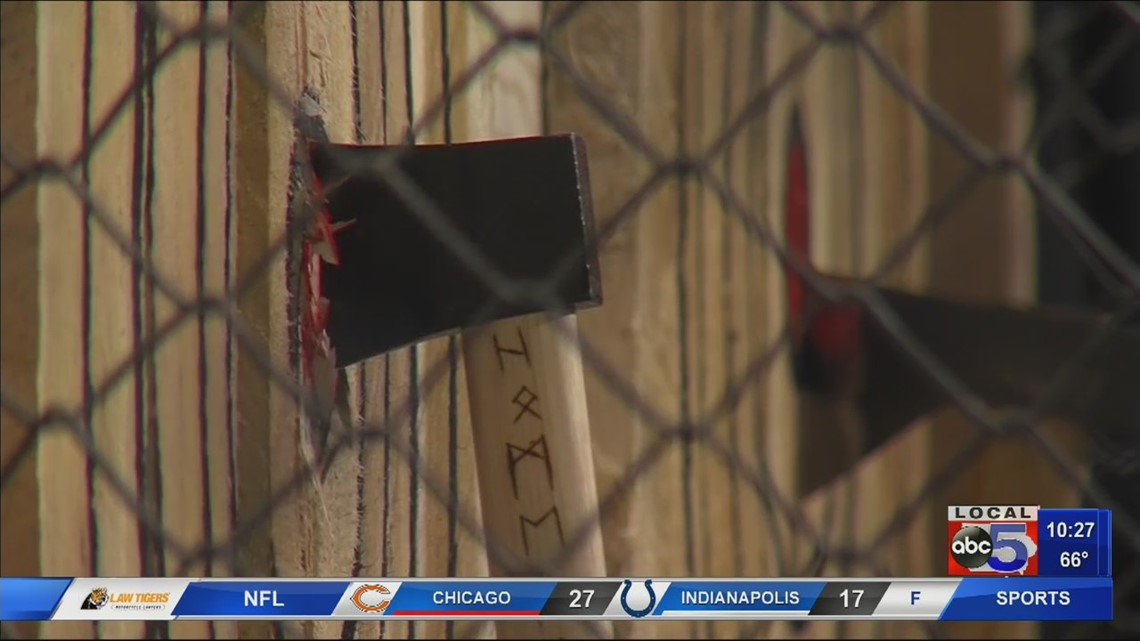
x=523, y=203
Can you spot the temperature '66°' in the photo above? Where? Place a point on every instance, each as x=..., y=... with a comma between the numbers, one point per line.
x=1074, y=559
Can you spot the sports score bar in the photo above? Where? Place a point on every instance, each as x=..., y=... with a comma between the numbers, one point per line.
x=1008, y=563
x=940, y=599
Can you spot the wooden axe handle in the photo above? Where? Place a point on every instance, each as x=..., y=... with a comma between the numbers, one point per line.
x=533, y=455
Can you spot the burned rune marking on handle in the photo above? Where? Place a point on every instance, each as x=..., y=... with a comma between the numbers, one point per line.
x=521, y=350
x=525, y=399
x=536, y=449
x=534, y=524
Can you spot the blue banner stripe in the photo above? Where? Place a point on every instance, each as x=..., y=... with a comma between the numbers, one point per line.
x=30, y=599
x=441, y=598
x=261, y=599
x=739, y=596
x=1031, y=599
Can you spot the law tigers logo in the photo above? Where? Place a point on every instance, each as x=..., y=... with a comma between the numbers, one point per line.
x=95, y=600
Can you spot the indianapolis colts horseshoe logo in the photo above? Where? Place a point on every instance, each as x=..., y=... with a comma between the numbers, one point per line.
x=625, y=599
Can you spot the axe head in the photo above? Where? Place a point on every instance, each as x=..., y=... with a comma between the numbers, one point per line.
x=523, y=204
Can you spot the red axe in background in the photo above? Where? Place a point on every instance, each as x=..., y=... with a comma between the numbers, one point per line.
x=847, y=360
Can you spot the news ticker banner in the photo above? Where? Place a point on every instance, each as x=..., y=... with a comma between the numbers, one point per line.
x=940, y=599
x=1025, y=540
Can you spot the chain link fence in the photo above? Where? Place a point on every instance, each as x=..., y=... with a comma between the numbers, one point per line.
x=1086, y=132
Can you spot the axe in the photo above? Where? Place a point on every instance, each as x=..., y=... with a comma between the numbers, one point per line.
x=406, y=247
x=846, y=362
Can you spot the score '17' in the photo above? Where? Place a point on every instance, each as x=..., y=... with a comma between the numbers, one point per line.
x=851, y=597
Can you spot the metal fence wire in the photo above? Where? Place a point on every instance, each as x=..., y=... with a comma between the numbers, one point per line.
x=1080, y=162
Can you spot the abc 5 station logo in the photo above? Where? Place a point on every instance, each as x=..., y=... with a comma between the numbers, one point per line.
x=992, y=549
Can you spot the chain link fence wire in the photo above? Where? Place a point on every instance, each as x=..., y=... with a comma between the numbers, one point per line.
x=1080, y=163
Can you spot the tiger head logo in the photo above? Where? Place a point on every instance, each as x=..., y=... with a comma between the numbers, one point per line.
x=95, y=600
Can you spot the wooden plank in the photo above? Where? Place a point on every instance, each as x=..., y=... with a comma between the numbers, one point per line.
x=818, y=90
x=785, y=38
x=476, y=115
x=891, y=195
x=275, y=438
x=894, y=175
x=628, y=53
x=324, y=60
x=711, y=229
x=408, y=528
x=824, y=94
x=307, y=46
x=403, y=365
x=699, y=221
x=112, y=313
x=740, y=267
x=861, y=181
x=830, y=102
x=64, y=498
x=716, y=230
x=174, y=251
x=504, y=101
x=867, y=178
x=756, y=333
x=993, y=221
x=632, y=56
x=215, y=280
x=401, y=390
x=251, y=193
x=604, y=43
x=440, y=394
x=292, y=523
x=19, y=307
x=368, y=380
x=624, y=50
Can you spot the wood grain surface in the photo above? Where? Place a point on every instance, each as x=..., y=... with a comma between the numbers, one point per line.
x=20, y=304
x=202, y=433
x=868, y=187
